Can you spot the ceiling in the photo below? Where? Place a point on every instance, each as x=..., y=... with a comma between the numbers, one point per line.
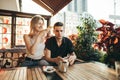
x=53, y=6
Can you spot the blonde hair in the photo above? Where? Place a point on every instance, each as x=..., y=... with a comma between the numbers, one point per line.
x=34, y=21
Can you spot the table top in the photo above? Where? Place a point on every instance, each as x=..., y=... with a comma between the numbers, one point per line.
x=82, y=71
x=88, y=71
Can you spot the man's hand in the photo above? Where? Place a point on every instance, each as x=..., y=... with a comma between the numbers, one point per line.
x=58, y=59
x=71, y=59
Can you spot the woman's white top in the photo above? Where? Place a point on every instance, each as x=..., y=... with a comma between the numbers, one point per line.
x=39, y=51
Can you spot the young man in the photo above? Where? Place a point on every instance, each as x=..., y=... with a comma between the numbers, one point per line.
x=58, y=47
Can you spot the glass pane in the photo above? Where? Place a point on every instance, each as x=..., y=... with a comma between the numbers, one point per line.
x=22, y=27
x=6, y=29
x=5, y=32
x=5, y=19
x=6, y=41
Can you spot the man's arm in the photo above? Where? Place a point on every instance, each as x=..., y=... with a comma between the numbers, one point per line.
x=49, y=59
x=72, y=56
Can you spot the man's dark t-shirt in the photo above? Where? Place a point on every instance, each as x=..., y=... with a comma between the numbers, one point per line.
x=65, y=48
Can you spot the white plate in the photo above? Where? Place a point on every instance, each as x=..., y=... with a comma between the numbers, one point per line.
x=48, y=69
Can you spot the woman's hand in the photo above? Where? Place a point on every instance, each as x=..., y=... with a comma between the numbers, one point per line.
x=48, y=29
x=43, y=33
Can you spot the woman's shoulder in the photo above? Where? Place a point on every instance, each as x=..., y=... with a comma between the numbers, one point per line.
x=26, y=36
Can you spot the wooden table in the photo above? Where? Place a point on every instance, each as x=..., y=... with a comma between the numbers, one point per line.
x=22, y=73
x=83, y=71
x=88, y=71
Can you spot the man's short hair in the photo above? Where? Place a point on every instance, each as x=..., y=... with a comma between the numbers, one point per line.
x=58, y=24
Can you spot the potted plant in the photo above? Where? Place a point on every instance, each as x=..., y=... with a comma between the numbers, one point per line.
x=109, y=41
x=86, y=38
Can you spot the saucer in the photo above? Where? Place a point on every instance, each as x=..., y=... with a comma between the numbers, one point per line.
x=48, y=69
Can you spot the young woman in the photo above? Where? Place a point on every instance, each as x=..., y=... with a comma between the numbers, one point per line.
x=34, y=42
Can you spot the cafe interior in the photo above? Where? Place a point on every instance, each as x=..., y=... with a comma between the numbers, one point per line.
x=87, y=66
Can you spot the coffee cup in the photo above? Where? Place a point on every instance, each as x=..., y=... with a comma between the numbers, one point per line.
x=62, y=66
x=66, y=60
